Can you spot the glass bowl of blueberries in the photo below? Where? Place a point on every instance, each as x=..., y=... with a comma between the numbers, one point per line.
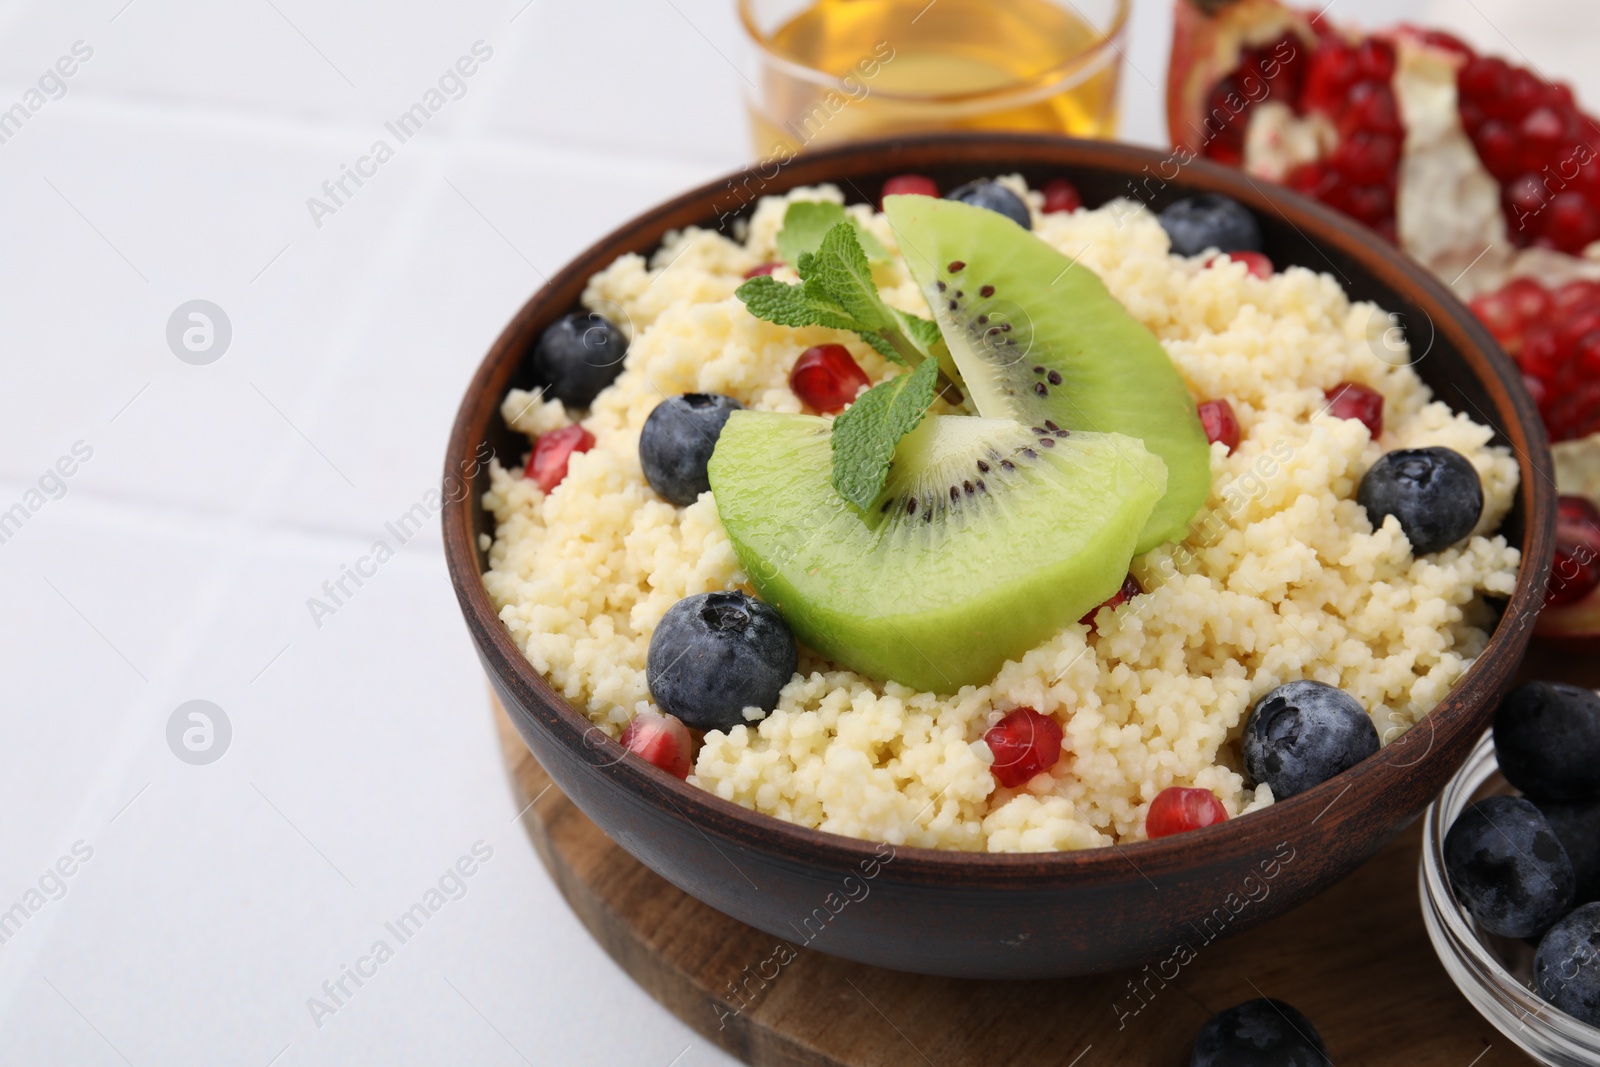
x=1510, y=876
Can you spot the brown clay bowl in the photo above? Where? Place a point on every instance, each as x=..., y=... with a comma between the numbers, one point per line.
x=1029, y=915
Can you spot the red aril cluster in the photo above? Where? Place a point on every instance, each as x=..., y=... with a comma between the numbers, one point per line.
x=1177, y=809
x=1531, y=136
x=662, y=741
x=1271, y=71
x=552, y=451
x=1220, y=423
x=1554, y=335
x=1024, y=744
x=1352, y=400
x=826, y=378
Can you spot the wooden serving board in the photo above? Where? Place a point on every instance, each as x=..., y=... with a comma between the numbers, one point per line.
x=1356, y=960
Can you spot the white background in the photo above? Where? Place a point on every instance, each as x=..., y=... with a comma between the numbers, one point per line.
x=219, y=498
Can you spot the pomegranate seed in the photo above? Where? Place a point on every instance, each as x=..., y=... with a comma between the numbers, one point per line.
x=1542, y=130
x=1129, y=589
x=1523, y=91
x=1574, y=328
x=826, y=378
x=1499, y=148
x=1573, y=296
x=1371, y=203
x=1483, y=78
x=1540, y=352
x=548, y=464
x=1061, y=195
x=909, y=185
x=1498, y=312
x=1024, y=744
x=1366, y=157
x=765, y=268
x=1575, y=570
x=1256, y=263
x=1577, y=511
x=661, y=741
x=1529, y=299
x=1176, y=810
x=1587, y=354
x=1220, y=423
x=1572, y=222
x=1370, y=106
x=1332, y=69
x=1352, y=400
x=1440, y=39
x=1375, y=60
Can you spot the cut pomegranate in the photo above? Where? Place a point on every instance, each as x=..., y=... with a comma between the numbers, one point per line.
x=661, y=741
x=1287, y=95
x=1024, y=744
x=1129, y=589
x=826, y=378
x=909, y=185
x=1061, y=195
x=1177, y=809
x=552, y=451
x=1352, y=400
x=765, y=268
x=1220, y=423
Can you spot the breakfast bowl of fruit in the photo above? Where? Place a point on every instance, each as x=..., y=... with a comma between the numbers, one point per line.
x=995, y=555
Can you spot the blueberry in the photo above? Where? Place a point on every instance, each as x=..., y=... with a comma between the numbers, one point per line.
x=1577, y=827
x=1207, y=221
x=1259, y=1033
x=1434, y=493
x=995, y=197
x=1303, y=733
x=1566, y=968
x=1547, y=739
x=1507, y=868
x=715, y=654
x=676, y=444
x=577, y=356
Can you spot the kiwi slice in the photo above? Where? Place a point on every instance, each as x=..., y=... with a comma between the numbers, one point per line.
x=1038, y=337
x=989, y=537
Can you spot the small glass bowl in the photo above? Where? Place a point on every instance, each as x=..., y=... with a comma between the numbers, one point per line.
x=1494, y=973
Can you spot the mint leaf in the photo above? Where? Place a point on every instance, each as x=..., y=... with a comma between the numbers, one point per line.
x=865, y=435
x=806, y=222
x=924, y=333
x=789, y=305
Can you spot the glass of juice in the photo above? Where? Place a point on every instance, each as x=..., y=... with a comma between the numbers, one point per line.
x=838, y=70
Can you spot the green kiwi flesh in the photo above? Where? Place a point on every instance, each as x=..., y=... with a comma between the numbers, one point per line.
x=989, y=537
x=1038, y=337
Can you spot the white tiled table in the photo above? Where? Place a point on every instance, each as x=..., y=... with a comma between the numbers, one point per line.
x=219, y=497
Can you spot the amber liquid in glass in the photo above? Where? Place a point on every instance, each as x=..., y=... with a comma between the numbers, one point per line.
x=908, y=65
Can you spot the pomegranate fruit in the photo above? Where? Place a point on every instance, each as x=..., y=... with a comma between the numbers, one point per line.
x=1406, y=129
x=1024, y=744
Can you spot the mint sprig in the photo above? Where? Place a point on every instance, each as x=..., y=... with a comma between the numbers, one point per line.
x=865, y=435
x=836, y=290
